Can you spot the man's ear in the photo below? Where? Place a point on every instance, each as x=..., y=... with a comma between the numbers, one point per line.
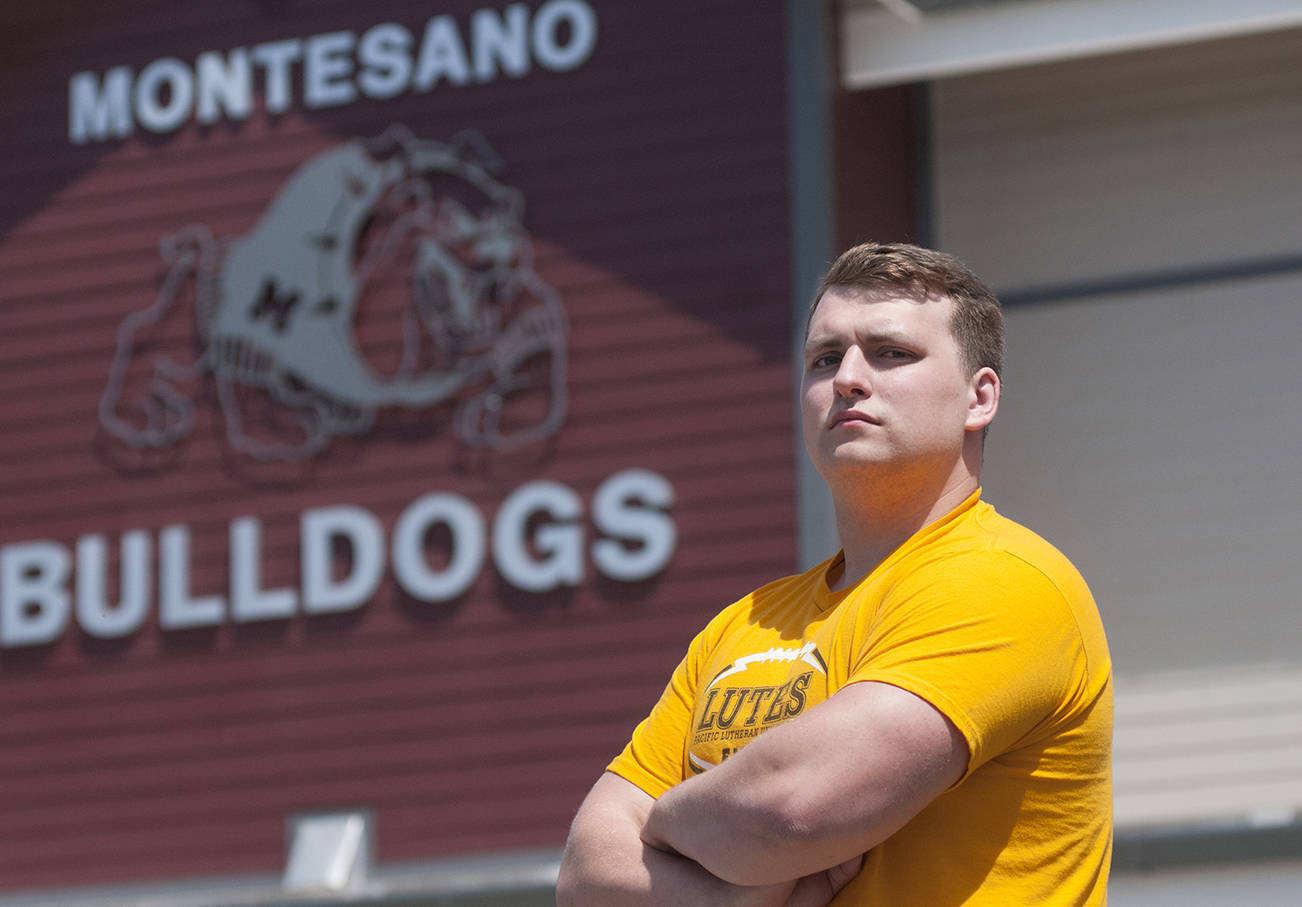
x=983, y=399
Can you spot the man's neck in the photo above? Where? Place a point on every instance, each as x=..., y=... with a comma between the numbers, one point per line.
x=871, y=526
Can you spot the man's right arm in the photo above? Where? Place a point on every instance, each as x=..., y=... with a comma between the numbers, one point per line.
x=606, y=863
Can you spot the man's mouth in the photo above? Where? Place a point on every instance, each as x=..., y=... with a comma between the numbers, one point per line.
x=850, y=415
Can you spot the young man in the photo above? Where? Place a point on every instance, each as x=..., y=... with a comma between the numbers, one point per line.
x=923, y=719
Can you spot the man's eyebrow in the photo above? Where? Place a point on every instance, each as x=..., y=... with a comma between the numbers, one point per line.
x=888, y=334
x=876, y=335
x=822, y=341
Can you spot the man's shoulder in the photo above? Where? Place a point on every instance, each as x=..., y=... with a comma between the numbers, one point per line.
x=983, y=536
x=986, y=553
x=1010, y=568
x=1011, y=541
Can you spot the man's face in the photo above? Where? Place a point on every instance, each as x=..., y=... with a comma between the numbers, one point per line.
x=885, y=384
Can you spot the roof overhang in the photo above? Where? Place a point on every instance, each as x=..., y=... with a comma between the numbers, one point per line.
x=892, y=42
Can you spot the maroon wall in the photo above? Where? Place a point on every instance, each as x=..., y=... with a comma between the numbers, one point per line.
x=653, y=176
x=881, y=165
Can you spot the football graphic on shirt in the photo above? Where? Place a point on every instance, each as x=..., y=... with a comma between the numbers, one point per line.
x=751, y=695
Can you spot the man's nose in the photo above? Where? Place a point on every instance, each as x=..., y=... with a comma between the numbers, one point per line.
x=852, y=375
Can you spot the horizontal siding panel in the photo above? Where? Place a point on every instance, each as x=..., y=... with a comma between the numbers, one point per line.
x=148, y=790
x=600, y=387
x=1222, y=747
x=494, y=797
x=656, y=409
x=71, y=508
x=640, y=244
x=494, y=682
x=613, y=129
x=381, y=659
x=132, y=744
x=89, y=238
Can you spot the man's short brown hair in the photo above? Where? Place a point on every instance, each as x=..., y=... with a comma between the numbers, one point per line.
x=978, y=321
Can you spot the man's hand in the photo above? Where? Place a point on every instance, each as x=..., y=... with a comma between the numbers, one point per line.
x=817, y=890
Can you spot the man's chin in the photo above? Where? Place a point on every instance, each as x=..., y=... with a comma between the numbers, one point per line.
x=850, y=459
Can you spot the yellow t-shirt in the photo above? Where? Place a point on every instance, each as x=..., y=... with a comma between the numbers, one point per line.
x=991, y=625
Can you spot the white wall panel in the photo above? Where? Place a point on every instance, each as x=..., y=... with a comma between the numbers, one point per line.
x=1215, y=748
x=1122, y=165
x=1156, y=438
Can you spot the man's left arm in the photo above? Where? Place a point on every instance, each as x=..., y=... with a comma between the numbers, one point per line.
x=816, y=791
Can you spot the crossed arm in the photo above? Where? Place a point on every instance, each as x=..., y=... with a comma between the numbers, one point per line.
x=784, y=821
x=607, y=863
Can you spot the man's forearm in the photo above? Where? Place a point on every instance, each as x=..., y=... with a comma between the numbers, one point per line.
x=606, y=863
x=702, y=823
x=657, y=878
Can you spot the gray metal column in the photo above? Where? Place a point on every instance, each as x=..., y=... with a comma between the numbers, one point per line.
x=810, y=83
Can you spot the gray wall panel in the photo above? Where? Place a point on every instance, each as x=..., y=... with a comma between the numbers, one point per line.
x=1124, y=164
x=1155, y=438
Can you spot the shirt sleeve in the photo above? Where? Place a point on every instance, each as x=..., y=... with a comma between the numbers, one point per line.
x=989, y=641
x=654, y=758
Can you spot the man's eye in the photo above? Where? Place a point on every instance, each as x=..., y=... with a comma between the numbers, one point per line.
x=900, y=355
x=827, y=360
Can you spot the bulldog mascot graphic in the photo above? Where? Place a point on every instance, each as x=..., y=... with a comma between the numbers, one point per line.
x=277, y=309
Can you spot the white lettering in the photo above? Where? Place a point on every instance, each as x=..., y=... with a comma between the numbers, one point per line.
x=385, y=55
x=34, y=585
x=561, y=544
x=441, y=55
x=276, y=57
x=176, y=609
x=98, y=112
x=361, y=531
x=153, y=111
x=616, y=513
x=248, y=600
x=326, y=68
x=409, y=540
x=438, y=549
x=95, y=615
x=224, y=85
x=547, y=46
x=500, y=41
x=560, y=36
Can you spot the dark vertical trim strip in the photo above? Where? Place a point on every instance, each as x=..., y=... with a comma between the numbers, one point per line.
x=924, y=165
x=809, y=94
